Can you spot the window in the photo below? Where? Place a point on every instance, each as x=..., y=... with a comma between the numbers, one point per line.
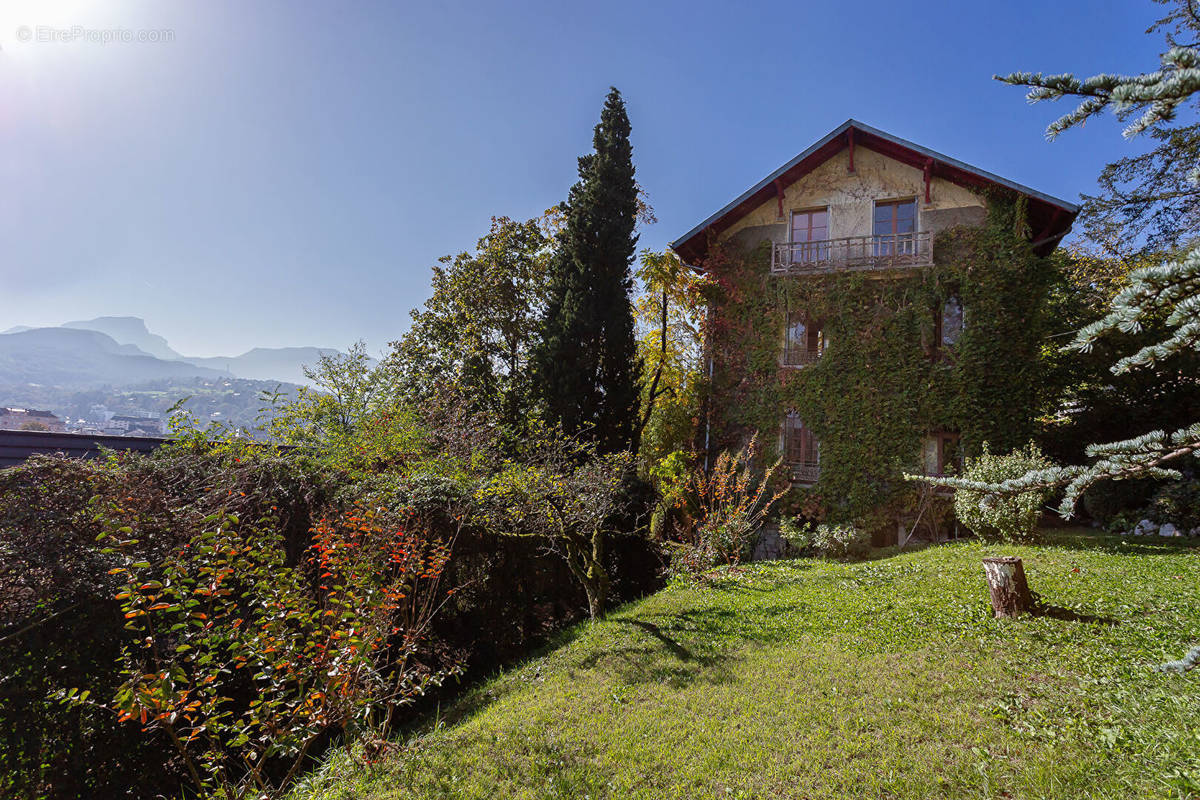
x=940, y=454
x=801, y=450
x=950, y=322
x=810, y=236
x=895, y=227
x=804, y=340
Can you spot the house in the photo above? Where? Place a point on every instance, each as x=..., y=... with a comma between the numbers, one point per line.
x=28, y=419
x=875, y=309
x=135, y=424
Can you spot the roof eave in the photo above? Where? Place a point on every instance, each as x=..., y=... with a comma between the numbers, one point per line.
x=1072, y=209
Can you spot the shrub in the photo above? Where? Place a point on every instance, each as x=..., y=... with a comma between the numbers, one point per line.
x=1124, y=521
x=724, y=508
x=61, y=626
x=798, y=533
x=1109, y=499
x=243, y=662
x=668, y=477
x=841, y=541
x=1012, y=518
x=1177, y=502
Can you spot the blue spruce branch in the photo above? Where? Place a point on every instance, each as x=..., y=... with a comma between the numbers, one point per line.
x=1189, y=661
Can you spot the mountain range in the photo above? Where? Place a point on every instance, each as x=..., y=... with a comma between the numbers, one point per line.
x=117, y=351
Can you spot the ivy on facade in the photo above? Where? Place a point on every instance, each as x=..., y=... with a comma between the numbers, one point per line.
x=883, y=381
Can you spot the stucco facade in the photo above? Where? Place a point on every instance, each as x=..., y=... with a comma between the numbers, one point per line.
x=850, y=198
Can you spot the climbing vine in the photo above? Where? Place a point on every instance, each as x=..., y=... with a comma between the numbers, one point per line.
x=883, y=381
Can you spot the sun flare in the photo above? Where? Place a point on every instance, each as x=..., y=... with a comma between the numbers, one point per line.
x=57, y=13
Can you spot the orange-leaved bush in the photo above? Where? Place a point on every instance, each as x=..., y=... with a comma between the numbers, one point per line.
x=723, y=510
x=244, y=661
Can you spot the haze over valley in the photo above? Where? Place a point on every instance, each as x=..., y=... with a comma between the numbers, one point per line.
x=119, y=364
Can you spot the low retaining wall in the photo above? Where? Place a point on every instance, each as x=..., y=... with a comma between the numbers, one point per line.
x=17, y=446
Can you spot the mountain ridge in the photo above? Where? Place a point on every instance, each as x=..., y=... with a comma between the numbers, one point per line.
x=83, y=358
x=55, y=357
x=130, y=330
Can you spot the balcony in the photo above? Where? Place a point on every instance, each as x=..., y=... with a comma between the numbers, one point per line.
x=853, y=254
x=805, y=472
x=797, y=356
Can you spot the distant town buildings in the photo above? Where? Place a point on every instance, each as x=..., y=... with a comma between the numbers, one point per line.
x=134, y=424
x=101, y=421
x=29, y=419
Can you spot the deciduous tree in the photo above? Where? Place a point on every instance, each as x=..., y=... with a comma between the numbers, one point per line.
x=569, y=497
x=668, y=317
x=477, y=331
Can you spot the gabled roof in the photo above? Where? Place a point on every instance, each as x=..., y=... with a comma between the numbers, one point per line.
x=1050, y=217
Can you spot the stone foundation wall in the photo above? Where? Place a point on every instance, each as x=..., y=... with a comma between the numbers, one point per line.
x=770, y=544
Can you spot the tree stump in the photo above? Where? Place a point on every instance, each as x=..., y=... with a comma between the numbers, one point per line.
x=1006, y=582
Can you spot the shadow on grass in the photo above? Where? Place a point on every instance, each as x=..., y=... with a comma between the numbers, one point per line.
x=676, y=649
x=1043, y=609
x=665, y=661
x=698, y=644
x=1119, y=545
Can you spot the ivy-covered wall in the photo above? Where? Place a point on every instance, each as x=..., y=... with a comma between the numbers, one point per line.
x=878, y=390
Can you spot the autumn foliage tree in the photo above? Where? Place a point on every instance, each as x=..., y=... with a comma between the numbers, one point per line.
x=243, y=662
x=668, y=315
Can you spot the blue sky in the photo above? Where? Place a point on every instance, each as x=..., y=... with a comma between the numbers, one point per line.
x=285, y=173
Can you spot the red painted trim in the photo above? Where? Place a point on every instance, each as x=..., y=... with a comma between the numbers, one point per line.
x=1043, y=215
x=1049, y=225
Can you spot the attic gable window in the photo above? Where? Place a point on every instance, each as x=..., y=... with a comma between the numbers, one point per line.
x=804, y=340
x=810, y=226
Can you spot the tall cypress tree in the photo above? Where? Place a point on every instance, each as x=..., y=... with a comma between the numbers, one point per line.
x=587, y=366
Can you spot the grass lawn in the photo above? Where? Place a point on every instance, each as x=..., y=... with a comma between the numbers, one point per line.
x=812, y=679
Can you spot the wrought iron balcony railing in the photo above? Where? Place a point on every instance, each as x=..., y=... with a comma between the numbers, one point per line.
x=852, y=253
x=800, y=356
x=805, y=473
